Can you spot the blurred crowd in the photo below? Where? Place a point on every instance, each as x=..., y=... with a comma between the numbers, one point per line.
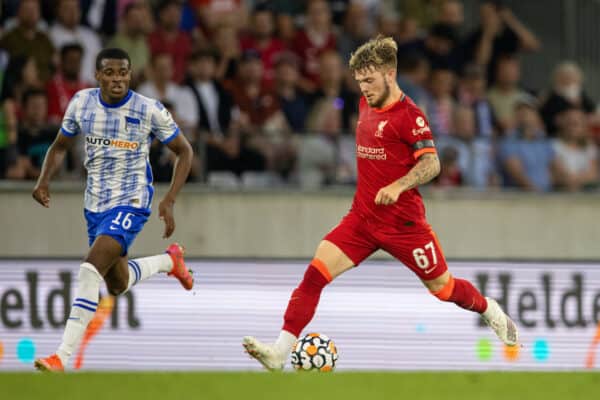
x=262, y=89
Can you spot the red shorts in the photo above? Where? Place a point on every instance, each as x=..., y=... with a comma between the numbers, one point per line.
x=414, y=244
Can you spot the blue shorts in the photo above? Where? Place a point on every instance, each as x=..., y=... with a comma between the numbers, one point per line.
x=121, y=223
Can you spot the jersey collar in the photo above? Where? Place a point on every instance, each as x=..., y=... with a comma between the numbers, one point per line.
x=116, y=105
x=386, y=108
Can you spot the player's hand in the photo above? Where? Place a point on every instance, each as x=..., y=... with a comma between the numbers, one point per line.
x=389, y=194
x=165, y=213
x=41, y=194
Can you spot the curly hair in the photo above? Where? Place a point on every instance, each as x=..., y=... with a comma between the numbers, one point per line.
x=376, y=53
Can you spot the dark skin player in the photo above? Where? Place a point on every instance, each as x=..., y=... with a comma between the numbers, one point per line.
x=114, y=77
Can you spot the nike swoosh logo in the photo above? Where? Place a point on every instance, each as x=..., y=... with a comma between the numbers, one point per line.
x=113, y=228
x=430, y=269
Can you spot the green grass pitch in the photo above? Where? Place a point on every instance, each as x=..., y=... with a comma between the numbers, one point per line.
x=305, y=386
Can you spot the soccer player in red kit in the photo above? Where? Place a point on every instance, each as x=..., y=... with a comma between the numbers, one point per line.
x=395, y=154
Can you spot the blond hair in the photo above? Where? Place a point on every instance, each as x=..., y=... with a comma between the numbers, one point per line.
x=376, y=53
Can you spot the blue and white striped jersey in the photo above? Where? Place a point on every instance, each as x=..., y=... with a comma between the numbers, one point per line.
x=117, y=145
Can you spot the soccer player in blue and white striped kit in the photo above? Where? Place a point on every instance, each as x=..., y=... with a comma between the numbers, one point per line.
x=119, y=126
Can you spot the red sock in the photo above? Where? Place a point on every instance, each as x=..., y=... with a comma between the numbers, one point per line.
x=463, y=294
x=304, y=299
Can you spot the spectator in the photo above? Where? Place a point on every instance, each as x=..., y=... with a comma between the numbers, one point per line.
x=8, y=141
x=325, y=156
x=469, y=155
x=310, y=42
x=408, y=35
x=68, y=30
x=413, y=72
x=441, y=47
x=567, y=92
x=170, y=39
x=26, y=40
x=212, y=13
x=161, y=86
x=35, y=134
x=262, y=40
x=472, y=93
x=505, y=92
x=333, y=90
x=354, y=31
x=576, y=151
x=294, y=103
x=450, y=172
x=227, y=47
x=21, y=74
x=219, y=120
x=285, y=28
x=100, y=15
x=500, y=33
x=388, y=24
x=451, y=13
x=527, y=158
x=66, y=82
x=132, y=39
x=254, y=101
x=162, y=159
x=441, y=105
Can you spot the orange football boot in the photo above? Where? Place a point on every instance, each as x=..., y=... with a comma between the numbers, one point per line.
x=179, y=270
x=49, y=364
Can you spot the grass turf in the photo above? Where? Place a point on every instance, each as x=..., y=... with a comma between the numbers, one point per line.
x=291, y=386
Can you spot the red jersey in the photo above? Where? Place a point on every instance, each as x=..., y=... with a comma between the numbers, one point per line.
x=268, y=56
x=309, y=52
x=60, y=92
x=179, y=48
x=388, y=143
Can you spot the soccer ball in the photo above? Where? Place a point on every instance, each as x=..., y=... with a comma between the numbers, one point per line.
x=314, y=352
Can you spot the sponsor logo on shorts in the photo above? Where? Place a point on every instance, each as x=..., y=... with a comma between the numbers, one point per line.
x=116, y=143
x=371, y=153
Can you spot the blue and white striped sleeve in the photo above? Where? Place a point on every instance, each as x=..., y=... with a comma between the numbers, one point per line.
x=162, y=124
x=70, y=126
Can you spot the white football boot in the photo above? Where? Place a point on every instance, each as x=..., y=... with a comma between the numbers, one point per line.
x=266, y=354
x=501, y=324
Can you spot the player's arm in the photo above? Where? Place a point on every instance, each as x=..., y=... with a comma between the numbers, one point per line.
x=426, y=168
x=181, y=169
x=52, y=162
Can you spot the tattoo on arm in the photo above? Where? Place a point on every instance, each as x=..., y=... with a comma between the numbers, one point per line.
x=427, y=168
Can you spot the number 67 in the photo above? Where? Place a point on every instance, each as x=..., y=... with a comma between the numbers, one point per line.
x=421, y=256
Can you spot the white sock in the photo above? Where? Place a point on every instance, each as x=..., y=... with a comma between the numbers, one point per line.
x=82, y=311
x=144, y=268
x=284, y=342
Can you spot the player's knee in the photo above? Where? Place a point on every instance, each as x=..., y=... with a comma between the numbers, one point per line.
x=116, y=287
x=443, y=290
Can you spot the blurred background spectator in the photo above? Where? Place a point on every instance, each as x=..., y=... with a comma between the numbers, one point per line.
x=132, y=38
x=169, y=38
x=567, y=92
x=67, y=29
x=263, y=91
x=527, y=157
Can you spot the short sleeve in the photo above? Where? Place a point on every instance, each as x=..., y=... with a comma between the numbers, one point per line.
x=416, y=132
x=70, y=126
x=162, y=124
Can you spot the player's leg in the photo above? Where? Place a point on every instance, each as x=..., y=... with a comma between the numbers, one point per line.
x=128, y=272
x=344, y=247
x=421, y=252
x=103, y=254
